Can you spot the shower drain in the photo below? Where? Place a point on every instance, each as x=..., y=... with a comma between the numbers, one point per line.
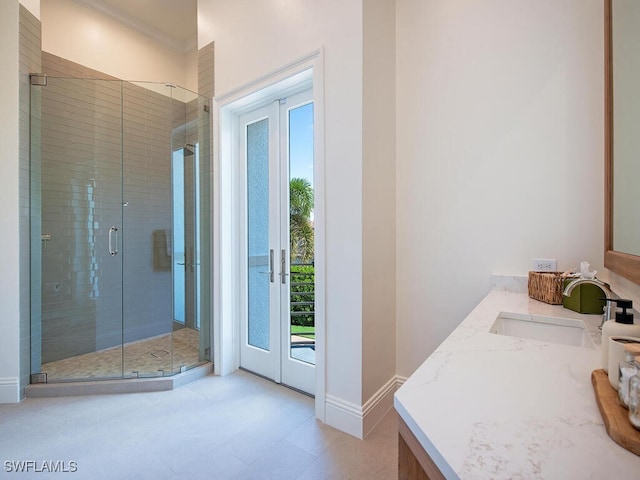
x=159, y=353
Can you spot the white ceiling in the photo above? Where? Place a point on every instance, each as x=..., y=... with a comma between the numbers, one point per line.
x=171, y=21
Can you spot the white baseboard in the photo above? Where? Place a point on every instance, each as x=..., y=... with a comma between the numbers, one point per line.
x=343, y=415
x=360, y=420
x=9, y=390
x=378, y=405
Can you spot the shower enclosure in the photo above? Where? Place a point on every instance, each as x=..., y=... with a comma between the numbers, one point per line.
x=120, y=229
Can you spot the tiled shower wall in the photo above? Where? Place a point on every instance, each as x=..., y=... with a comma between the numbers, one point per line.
x=83, y=143
x=81, y=151
x=149, y=119
x=206, y=70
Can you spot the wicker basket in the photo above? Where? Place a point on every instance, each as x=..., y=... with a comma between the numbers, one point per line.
x=546, y=287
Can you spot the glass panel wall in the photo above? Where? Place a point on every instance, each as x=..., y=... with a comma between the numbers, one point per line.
x=103, y=206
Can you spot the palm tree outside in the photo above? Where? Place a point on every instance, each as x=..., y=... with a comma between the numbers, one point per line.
x=301, y=227
x=302, y=270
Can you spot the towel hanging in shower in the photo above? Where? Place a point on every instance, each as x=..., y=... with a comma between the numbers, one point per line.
x=162, y=250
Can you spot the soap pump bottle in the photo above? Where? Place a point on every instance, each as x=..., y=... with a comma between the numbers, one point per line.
x=622, y=326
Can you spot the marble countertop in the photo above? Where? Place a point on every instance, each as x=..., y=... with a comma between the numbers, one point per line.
x=488, y=406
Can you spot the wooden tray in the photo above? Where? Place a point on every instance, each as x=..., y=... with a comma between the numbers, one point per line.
x=615, y=416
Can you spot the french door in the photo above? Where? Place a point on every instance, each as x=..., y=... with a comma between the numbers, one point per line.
x=277, y=318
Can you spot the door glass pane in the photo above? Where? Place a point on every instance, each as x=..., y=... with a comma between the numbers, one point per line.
x=258, y=233
x=301, y=234
x=76, y=197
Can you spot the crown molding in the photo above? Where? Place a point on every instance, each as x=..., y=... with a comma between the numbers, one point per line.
x=142, y=27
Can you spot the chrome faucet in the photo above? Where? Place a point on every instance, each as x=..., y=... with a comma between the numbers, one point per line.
x=605, y=288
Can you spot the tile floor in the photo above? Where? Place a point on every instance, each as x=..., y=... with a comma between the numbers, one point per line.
x=233, y=427
x=147, y=357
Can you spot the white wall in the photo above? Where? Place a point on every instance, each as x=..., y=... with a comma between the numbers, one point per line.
x=9, y=240
x=499, y=152
x=256, y=37
x=378, y=196
x=73, y=31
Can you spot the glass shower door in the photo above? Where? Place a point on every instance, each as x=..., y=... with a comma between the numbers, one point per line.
x=106, y=192
x=147, y=193
x=190, y=143
x=163, y=127
x=76, y=219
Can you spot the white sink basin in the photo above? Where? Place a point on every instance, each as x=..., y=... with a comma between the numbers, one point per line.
x=564, y=331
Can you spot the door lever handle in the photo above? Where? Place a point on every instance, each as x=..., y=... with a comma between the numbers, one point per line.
x=270, y=272
x=283, y=266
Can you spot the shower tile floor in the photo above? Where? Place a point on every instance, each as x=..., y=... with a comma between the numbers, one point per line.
x=239, y=427
x=149, y=357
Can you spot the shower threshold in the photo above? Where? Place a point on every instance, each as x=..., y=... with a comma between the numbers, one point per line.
x=128, y=385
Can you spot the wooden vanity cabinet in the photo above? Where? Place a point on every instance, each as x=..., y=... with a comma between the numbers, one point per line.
x=413, y=462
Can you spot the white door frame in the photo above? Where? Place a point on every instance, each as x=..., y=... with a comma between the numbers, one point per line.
x=301, y=74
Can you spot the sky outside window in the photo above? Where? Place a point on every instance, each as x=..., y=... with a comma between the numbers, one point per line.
x=301, y=142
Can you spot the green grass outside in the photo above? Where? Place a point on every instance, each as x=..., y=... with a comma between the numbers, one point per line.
x=307, y=332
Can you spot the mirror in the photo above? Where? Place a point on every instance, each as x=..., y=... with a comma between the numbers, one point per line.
x=622, y=138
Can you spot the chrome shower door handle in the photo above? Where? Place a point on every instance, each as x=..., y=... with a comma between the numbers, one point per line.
x=113, y=251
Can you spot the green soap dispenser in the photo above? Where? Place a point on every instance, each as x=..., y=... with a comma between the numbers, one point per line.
x=622, y=326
